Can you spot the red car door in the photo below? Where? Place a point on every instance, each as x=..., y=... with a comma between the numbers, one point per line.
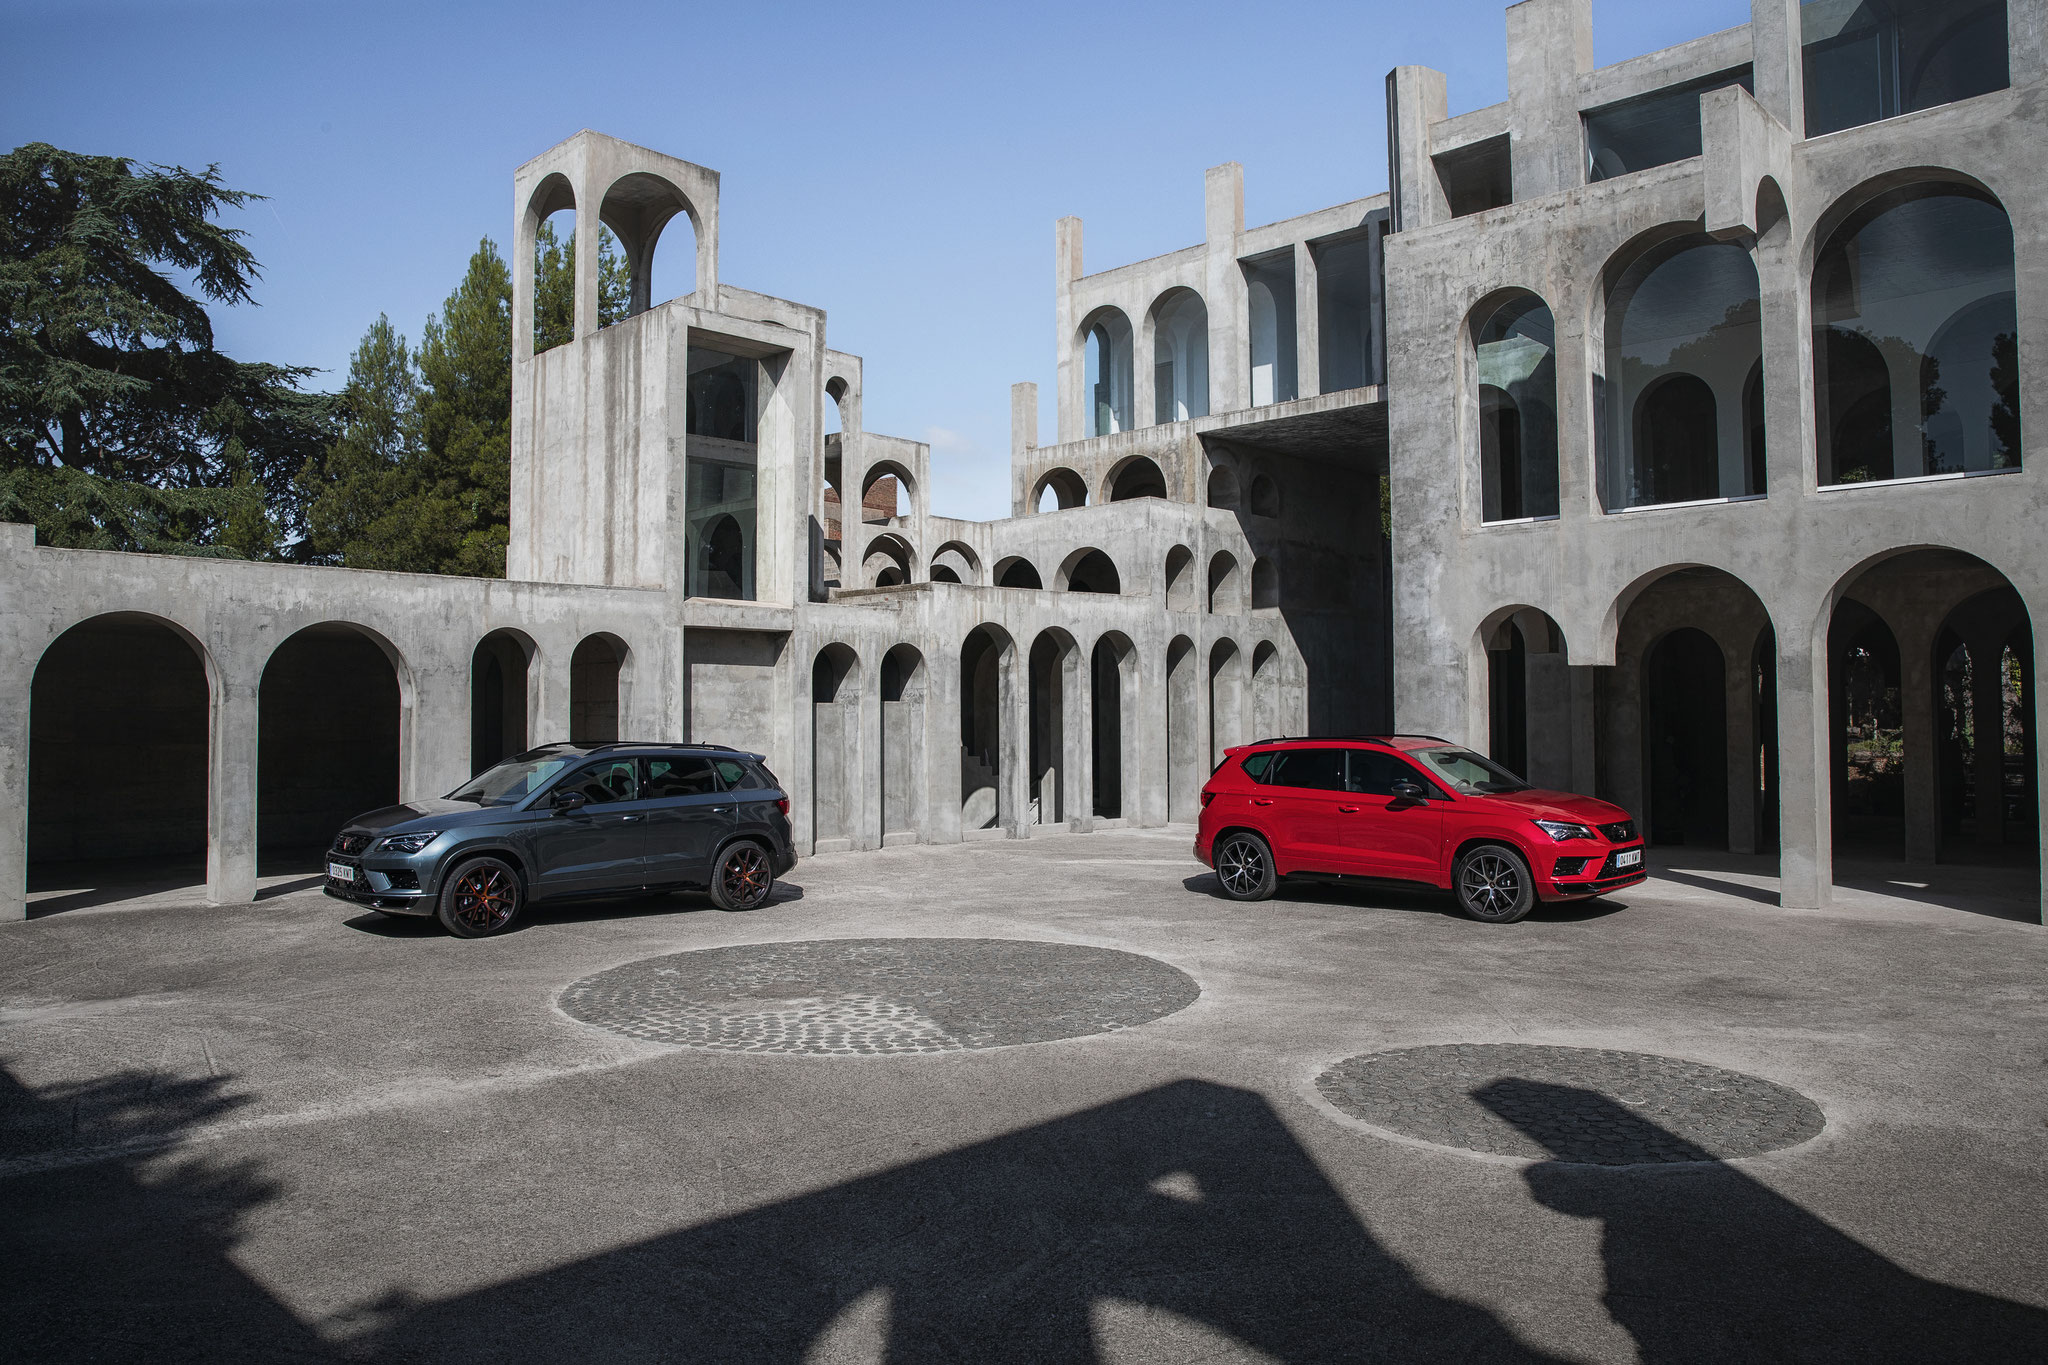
x=1386, y=835
x=1305, y=792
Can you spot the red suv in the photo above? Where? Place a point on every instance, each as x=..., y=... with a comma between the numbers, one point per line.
x=1408, y=808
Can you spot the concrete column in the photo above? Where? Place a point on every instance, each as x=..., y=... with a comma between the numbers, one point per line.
x=1416, y=98
x=1550, y=715
x=941, y=756
x=435, y=730
x=1777, y=60
x=1013, y=783
x=1585, y=732
x=1077, y=758
x=1987, y=712
x=1742, y=747
x=231, y=791
x=547, y=682
x=1073, y=363
x=587, y=227
x=1790, y=456
x=1578, y=416
x=1550, y=45
x=1805, y=756
x=1917, y=698
x=1308, y=324
x=1624, y=738
x=1223, y=218
x=2026, y=24
x=1144, y=352
x=864, y=756
x=14, y=752
x=2036, y=612
x=1148, y=767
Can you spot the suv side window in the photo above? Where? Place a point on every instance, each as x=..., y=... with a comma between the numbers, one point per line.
x=734, y=774
x=1317, y=769
x=679, y=776
x=617, y=780
x=1374, y=772
x=1255, y=765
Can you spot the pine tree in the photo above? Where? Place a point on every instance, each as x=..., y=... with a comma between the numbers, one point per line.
x=359, y=478
x=554, y=285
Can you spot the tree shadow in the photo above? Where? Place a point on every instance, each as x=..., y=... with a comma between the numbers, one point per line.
x=1706, y=1264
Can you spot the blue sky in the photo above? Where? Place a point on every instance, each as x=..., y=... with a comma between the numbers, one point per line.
x=900, y=166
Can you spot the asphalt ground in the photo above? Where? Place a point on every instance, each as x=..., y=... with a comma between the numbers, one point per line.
x=294, y=1129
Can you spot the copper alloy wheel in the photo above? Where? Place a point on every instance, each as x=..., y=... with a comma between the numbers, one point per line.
x=744, y=876
x=486, y=898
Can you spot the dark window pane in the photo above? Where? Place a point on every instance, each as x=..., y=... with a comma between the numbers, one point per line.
x=1875, y=59
x=734, y=774
x=618, y=780
x=1321, y=769
x=1255, y=765
x=1652, y=130
x=1374, y=772
x=679, y=777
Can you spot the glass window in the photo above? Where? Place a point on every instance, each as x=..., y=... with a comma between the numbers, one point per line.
x=1107, y=358
x=613, y=780
x=510, y=782
x=1180, y=358
x=1915, y=339
x=1867, y=60
x=1684, y=347
x=1652, y=130
x=734, y=774
x=679, y=777
x=1255, y=765
x=1321, y=769
x=1344, y=293
x=1270, y=286
x=1517, y=348
x=1468, y=772
x=1374, y=772
x=720, y=482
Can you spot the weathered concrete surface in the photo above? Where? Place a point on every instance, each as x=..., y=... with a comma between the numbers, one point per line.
x=279, y=1131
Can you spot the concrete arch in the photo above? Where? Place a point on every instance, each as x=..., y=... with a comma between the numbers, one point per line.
x=1015, y=571
x=502, y=686
x=600, y=685
x=1068, y=489
x=895, y=555
x=1177, y=327
x=637, y=206
x=1224, y=493
x=1266, y=685
x=1518, y=665
x=991, y=757
x=963, y=566
x=1106, y=345
x=1824, y=225
x=1228, y=718
x=1186, y=739
x=881, y=469
x=1054, y=680
x=1115, y=740
x=1226, y=585
x=1088, y=570
x=1263, y=498
x=901, y=768
x=1180, y=579
x=1134, y=476
x=1608, y=626
x=332, y=742
x=835, y=745
x=1265, y=584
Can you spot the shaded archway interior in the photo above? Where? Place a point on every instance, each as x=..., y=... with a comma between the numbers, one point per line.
x=328, y=742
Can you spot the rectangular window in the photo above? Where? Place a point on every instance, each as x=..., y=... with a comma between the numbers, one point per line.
x=1865, y=61
x=1344, y=293
x=1316, y=769
x=1652, y=130
x=1477, y=178
x=679, y=777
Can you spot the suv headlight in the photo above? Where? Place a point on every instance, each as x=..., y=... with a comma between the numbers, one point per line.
x=1561, y=830
x=408, y=843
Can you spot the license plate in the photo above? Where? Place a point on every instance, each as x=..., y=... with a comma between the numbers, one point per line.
x=1632, y=858
x=341, y=872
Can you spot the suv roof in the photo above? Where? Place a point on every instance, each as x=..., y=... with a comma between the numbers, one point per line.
x=1402, y=742
x=664, y=746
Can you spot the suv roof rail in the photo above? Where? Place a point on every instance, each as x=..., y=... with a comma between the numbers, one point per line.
x=1326, y=739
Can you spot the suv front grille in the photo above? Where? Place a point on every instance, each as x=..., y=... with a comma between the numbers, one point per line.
x=351, y=843
x=1619, y=833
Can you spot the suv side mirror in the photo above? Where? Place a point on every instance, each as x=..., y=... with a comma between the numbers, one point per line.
x=1407, y=791
x=568, y=800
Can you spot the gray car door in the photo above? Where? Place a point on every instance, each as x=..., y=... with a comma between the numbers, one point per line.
x=599, y=846
x=688, y=816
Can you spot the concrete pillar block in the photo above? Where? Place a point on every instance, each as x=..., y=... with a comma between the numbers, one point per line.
x=1778, y=61
x=1308, y=329
x=1226, y=296
x=14, y=749
x=1806, y=859
x=231, y=794
x=1550, y=45
x=1743, y=146
x=1073, y=364
x=1416, y=98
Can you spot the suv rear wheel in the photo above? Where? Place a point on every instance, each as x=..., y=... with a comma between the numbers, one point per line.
x=1244, y=868
x=1493, y=884
x=480, y=898
x=743, y=877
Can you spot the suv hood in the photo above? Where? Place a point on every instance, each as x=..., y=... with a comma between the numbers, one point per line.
x=440, y=811
x=1549, y=805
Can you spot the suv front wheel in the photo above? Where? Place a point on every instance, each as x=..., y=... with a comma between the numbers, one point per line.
x=1493, y=884
x=480, y=898
x=1244, y=868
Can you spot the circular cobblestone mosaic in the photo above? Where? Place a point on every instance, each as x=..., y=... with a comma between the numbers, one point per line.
x=1575, y=1104
x=879, y=995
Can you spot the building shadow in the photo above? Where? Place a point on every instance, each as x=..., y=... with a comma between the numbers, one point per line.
x=1706, y=1264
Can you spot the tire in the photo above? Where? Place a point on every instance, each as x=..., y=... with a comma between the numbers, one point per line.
x=1244, y=868
x=742, y=877
x=1493, y=885
x=480, y=897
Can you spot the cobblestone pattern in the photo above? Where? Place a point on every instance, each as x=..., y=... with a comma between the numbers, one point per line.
x=869, y=996
x=1583, y=1105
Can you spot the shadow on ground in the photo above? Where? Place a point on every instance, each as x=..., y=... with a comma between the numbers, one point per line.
x=1401, y=896
x=570, y=912
x=1187, y=1206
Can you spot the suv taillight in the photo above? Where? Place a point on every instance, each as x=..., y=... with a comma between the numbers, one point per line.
x=783, y=805
x=1207, y=797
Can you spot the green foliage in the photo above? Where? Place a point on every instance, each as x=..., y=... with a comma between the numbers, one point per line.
x=108, y=368
x=2005, y=413
x=554, y=285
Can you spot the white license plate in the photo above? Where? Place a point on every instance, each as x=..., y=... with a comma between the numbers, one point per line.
x=341, y=872
x=1632, y=858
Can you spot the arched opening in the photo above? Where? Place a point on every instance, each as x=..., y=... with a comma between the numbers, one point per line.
x=1515, y=343
x=723, y=565
x=594, y=676
x=1054, y=664
x=645, y=211
x=498, y=681
x=1913, y=295
x=1060, y=488
x=888, y=562
x=1017, y=572
x=1090, y=571
x=1137, y=477
x=1268, y=706
x=1180, y=357
x=1686, y=735
x=1528, y=696
x=886, y=495
x=1226, y=585
x=1269, y=296
x=835, y=724
x=1985, y=653
x=835, y=406
x=1184, y=771
x=1180, y=579
x=1867, y=725
x=984, y=663
x=1684, y=335
x=955, y=563
x=902, y=765
x=1223, y=490
x=1265, y=585
x=328, y=734
x=119, y=728
x=1226, y=700
x=1265, y=499
x=1113, y=687
x=1106, y=338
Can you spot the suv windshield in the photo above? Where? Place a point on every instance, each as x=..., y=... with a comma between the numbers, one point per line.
x=511, y=781
x=1468, y=772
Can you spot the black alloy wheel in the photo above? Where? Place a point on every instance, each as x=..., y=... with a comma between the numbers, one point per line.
x=1493, y=884
x=480, y=898
x=743, y=877
x=1244, y=868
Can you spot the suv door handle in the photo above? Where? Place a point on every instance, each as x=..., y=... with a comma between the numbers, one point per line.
x=718, y=810
x=627, y=819
x=1351, y=810
x=1262, y=800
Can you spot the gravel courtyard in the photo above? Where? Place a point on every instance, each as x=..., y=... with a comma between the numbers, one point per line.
x=1037, y=1100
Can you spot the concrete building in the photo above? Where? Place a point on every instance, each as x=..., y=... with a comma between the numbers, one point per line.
x=1660, y=431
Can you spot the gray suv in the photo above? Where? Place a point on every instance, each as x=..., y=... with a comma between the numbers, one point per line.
x=572, y=820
